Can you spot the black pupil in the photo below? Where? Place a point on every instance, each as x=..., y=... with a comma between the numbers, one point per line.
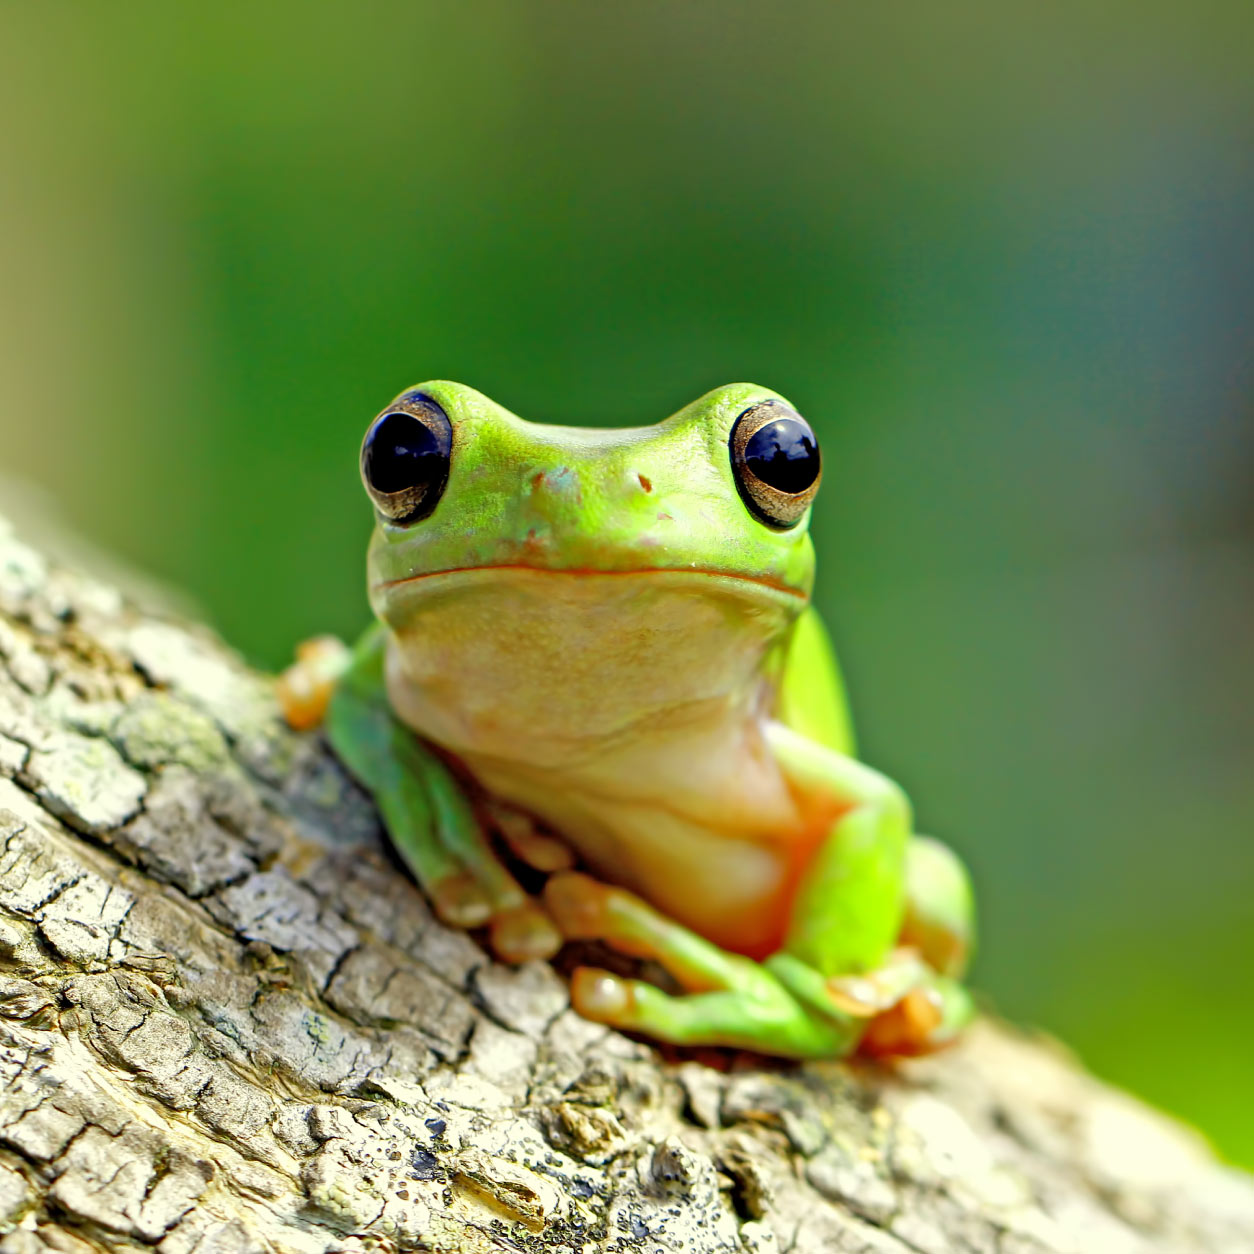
x=784, y=455
x=401, y=453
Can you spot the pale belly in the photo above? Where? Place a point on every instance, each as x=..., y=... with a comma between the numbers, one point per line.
x=727, y=868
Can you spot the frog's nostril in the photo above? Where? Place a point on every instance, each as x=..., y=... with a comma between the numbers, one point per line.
x=559, y=484
x=645, y=482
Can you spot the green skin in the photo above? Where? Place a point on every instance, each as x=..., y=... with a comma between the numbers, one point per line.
x=600, y=633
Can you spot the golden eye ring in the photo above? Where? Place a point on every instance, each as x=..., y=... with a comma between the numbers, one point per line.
x=776, y=463
x=405, y=458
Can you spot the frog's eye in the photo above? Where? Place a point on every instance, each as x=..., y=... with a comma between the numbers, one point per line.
x=775, y=459
x=405, y=458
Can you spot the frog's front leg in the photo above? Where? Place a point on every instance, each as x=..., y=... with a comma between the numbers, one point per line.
x=727, y=999
x=428, y=817
x=838, y=978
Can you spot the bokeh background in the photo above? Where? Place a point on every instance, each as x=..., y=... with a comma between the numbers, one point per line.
x=1000, y=255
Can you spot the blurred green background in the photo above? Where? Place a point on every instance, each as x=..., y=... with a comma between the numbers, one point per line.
x=1001, y=256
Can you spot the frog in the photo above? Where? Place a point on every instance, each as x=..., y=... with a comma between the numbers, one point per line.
x=595, y=658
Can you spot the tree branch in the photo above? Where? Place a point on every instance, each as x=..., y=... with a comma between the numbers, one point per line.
x=229, y=1023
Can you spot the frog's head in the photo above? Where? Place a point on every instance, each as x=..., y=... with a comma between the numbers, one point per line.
x=722, y=488
x=580, y=548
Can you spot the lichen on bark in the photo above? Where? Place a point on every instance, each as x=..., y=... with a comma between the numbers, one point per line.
x=229, y=1023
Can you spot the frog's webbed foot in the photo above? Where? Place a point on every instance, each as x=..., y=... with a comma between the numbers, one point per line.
x=468, y=884
x=728, y=999
x=469, y=887
x=485, y=893
x=912, y=1009
x=304, y=689
x=930, y=1016
x=782, y=1006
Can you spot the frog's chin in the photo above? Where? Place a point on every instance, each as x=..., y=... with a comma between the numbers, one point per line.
x=524, y=662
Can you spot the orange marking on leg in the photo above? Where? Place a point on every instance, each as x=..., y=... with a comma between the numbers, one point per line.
x=799, y=848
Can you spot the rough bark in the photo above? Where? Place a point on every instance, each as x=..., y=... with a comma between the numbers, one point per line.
x=229, y=1023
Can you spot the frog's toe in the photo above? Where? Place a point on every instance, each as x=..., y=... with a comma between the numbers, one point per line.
x=865, y=995
x=634, y=1006
x=929, y=1017
x=523, y=934
x=579, y=905
x=460, y=901
x=602, y=996
x=770, y=1022
x=585, y=909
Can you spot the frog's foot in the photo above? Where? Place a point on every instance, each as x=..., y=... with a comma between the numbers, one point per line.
x=304, y=689
x=523, y=934
x=905, y=1006
x=452, y=858
x=460, y=900
x=519, y=929
x=728, y=1000
x=929, y=1017
x=878, y=991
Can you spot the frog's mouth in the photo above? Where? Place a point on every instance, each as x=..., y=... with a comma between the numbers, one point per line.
x=772, y=588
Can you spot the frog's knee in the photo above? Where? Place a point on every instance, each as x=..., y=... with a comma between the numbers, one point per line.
x=890, y=799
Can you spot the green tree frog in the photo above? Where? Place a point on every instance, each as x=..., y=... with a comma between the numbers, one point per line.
x=596, y=649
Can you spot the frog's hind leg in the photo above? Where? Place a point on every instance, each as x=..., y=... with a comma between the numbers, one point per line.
x=937, y=935
x=883, y=921
x=728, y=999
x=586, y=909
x=428, y=818
x=940, y=906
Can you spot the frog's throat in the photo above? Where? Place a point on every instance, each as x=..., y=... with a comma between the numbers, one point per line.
x=772, y=586
x=553, y=666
